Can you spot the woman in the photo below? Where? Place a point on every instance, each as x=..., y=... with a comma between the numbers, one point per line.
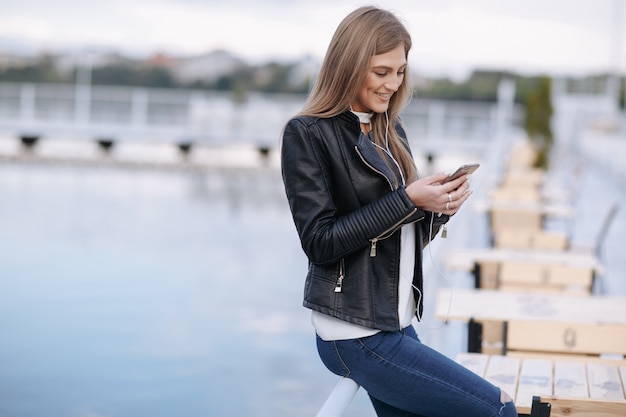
x=363, y=217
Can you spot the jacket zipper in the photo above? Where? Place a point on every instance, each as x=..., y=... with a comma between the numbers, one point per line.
x=391, y=229
x=339, y=284
x=387, y=233
x=370, y=166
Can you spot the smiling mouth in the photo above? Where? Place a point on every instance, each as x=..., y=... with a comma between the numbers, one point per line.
x=384, y=96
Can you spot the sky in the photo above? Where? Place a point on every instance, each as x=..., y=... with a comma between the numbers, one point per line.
x=450, y=37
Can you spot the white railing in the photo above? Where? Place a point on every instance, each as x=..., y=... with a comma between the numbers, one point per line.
x=176, y=115
x=127, y=113
x=339, y=400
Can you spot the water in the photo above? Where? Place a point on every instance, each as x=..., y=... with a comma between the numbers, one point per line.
x=144, y=293
x=128, y=293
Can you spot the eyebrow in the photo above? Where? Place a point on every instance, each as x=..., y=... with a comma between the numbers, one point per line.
x=388, y=67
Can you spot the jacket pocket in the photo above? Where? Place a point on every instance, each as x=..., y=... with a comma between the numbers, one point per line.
x=326, y=279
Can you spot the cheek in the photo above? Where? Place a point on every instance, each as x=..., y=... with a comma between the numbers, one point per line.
x=371, y=84
x=367, y=89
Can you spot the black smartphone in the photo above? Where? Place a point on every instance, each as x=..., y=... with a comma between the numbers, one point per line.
x=465, y=169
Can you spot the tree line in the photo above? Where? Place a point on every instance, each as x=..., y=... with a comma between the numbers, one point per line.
x=269, y=78
x=272, y=77
x=532, y=92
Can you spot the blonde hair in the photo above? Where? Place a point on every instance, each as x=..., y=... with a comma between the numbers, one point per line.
x=365, y=32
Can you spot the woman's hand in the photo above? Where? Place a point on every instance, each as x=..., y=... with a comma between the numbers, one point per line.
x=430, y=194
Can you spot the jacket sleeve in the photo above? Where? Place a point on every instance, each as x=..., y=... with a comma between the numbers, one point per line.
x=325, y=234
x=430, y=226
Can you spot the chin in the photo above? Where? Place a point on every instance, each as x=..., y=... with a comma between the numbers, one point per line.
x=379, y=109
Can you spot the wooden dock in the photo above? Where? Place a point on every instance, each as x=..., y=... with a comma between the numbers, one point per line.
x=562, y=387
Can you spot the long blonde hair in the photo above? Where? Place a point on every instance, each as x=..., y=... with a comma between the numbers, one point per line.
x=365, y=32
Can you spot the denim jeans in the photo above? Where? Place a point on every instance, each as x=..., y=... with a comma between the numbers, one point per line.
x=404, y=377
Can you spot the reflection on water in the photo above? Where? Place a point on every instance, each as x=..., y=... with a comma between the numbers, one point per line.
x=139, y=293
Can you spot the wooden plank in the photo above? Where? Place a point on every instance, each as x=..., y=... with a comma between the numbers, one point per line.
x=521, y=157
x=604, y=381
x=509, y=208
x=530, y=239
x=498, y=305
x=475, y=362
x=566, y=337
x=570, y=380
x=570, y=275
x=502, y=371
x=551, y=277
x=515, y=217
x=464, y=259
x=512, y=239
x=550, y=241
x=492, y=348
x=517, y=272
x=488, y=274
x=493, y=331
x=564, y=357
x=535, y=378
x=579, y=407
x=524, y=178
x=544, y=289
x=509, y=194
x=562, y=383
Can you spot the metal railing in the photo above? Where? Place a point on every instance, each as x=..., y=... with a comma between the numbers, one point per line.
x=176, y=115
x=339, y=400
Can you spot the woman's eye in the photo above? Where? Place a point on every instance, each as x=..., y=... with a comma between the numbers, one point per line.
x=381, y=74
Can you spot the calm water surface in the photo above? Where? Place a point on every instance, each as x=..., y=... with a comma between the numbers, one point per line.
x=128, y=293
x=139, y=293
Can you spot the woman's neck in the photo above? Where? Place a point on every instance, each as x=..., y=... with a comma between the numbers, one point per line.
x=365, y=119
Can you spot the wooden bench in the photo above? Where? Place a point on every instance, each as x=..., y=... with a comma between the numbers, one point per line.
x=520, y=225
x=548, y=318
x=556, y=387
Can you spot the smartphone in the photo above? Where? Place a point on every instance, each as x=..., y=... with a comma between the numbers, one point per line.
x=463, y=170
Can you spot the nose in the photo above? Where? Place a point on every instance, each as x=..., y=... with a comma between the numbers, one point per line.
x=393, y=84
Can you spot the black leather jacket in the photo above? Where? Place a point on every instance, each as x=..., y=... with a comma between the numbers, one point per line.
x=348, y=212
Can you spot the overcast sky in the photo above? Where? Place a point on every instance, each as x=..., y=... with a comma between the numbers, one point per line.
x=450, y=36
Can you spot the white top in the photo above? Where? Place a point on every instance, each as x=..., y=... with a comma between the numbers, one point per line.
x=331, y=328
x=365, y=118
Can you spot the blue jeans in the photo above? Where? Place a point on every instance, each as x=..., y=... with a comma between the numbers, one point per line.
x=404, y=377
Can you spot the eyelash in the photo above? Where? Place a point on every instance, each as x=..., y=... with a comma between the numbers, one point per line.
x=383, y=74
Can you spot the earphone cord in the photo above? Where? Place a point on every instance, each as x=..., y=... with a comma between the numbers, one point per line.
x=430, y=233
x=388, y=151
x=419, y=292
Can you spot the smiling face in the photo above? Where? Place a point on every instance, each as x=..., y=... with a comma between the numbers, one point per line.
x=384, y=77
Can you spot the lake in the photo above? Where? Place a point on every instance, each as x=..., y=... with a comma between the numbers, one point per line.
x=130, y=293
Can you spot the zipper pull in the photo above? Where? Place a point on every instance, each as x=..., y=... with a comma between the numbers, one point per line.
x=373, y=248
x=444, y=232
x=339, y=284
